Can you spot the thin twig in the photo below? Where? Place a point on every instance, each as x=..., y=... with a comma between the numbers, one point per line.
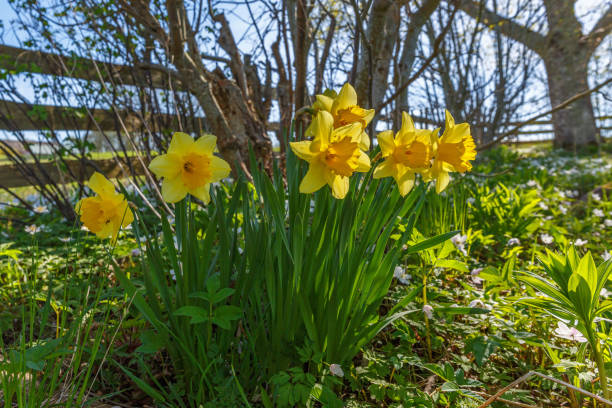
x=505, y=401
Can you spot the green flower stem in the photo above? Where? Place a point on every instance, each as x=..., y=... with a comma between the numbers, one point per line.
x=427, y=336
x=599, y=360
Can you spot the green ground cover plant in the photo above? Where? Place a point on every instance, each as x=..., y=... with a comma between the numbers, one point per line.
x=261, y=292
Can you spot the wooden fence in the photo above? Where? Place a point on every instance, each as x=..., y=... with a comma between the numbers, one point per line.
x=25, y=117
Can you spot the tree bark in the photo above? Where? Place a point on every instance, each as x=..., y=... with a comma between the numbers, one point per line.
x=373, y=72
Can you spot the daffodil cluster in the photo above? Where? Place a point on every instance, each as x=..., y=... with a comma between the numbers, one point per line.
x=339, y=141
x=421, y=151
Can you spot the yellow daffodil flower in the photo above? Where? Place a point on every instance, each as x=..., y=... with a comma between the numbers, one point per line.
x=189, y=167
x=410, y=152
x=344, y=110
x=105, y=213
x=333, y=155
x=454, y=150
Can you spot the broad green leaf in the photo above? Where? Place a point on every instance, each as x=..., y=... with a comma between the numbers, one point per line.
x=197, y=314
x=431, y=242
x=452, y=264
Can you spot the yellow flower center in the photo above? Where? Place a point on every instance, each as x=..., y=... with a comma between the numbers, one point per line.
x=415, y=155
x=350, y=115
x=196, y=170
x=342, y=157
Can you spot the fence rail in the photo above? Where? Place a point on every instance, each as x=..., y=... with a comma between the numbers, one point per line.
x=69, y=171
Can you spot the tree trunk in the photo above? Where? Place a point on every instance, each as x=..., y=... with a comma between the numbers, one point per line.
x=575, y=125
x=373, y=70
x=566, y=59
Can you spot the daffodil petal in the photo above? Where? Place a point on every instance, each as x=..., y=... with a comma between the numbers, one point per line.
x=352, y=131
x=166, y=165
x=220, y=169
x=302, y=150
x=314, y=179
x=363, y=162
x=100, y=185
x=385, y=169
x=346, y=98
x=450, y=121
x=173, y=190
x=322, y=126
x=364, y=143
x=203, y=193
x=340, y=186
x=369, y=116
x=323, y=103
x=458, y=133
x=126, y=214
x=206, y=143
x=386, y=143
x=181, y=143
x=407, y=122
x=405, y=183
x=442, y=181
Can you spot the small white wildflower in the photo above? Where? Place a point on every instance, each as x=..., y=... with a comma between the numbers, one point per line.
x=513, y=242
x=476, y=271
x=477, y=303
x=608, y=222
x=596, y=196
x=64, y=239
x=172, y=274
x=598, y=213
x=543, y=205
x=605, y=293
x=471, y=200
x=400, y=274
x=459, y=241
x=572, y=193
x=32, y=229
x=40, y=209
x=533, y=183
x=606, y=256
x=136, y=252
x=84, y=228
x=428, y=311
x=336, y=370
x=563, y=209
x=546, y=239
x=548, y=217
x=580, y=242
x=569, y=333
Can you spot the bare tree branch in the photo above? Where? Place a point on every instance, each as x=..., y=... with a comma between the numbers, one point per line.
x=531, y=39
